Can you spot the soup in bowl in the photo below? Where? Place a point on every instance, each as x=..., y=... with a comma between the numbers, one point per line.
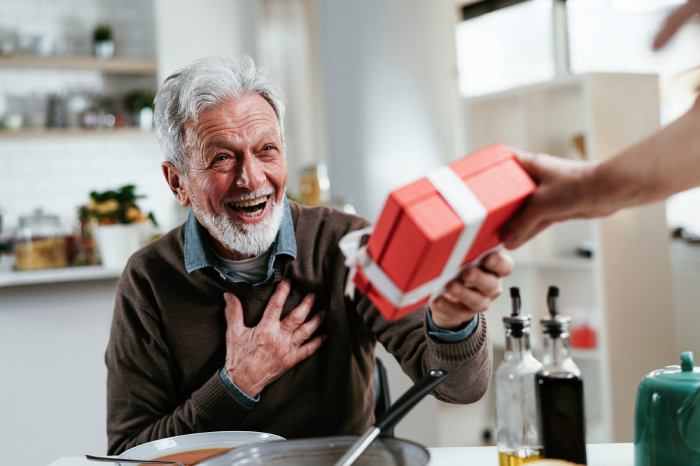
x=193, y=448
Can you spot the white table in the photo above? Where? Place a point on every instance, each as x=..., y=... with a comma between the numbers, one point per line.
x=604, y=454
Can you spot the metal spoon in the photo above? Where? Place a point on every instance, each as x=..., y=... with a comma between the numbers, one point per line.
x=108, y=459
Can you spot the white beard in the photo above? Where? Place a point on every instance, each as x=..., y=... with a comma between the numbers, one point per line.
x=250, y=239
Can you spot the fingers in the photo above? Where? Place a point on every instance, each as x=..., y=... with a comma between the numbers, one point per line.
x=485, y=283
x=527, y=160
x=523, y=225
x=674, y=21
x=518, y=240
x=498, y=263
x=304, y=351
x=298, y=315
x=234, y=313
x=450, y=314
x=276, y=303
x=471, y=299
x=306, y=330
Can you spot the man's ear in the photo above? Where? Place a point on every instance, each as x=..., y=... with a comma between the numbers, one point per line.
x=176, y=181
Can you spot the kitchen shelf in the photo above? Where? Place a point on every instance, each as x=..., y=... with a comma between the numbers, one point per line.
x=47, y=133
x=585, y=354
x=67, y=274
x=611, y=111
x=558, y=263
x=128, y=66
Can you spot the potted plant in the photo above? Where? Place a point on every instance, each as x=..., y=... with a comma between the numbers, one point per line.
x=139, y=103
x=121, y=226
x=104, y=41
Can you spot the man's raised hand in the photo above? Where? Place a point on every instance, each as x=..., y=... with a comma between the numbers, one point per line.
x=257, y=356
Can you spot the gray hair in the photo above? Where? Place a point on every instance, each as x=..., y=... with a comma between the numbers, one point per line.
x=204, y=84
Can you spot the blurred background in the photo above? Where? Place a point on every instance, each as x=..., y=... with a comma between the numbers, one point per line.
x=378, y=93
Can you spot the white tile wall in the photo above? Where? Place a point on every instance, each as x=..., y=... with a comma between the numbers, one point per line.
x=58, y=175
x=70, y=23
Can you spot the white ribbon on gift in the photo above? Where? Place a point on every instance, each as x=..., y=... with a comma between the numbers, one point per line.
x=470, y=211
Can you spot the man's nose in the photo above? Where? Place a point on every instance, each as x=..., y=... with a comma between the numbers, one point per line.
x=250, y=174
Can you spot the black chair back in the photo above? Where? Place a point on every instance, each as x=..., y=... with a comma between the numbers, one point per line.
x=382, y=400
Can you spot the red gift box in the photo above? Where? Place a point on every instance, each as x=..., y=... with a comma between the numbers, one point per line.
x=435, y=227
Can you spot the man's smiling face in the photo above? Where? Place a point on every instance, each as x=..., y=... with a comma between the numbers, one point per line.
x=237, y=174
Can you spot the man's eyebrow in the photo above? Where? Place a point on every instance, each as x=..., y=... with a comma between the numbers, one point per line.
x=226, y=141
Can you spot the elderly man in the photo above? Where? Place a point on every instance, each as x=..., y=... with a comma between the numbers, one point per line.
x=236, y=320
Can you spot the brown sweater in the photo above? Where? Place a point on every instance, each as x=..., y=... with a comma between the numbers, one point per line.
x=167, y=346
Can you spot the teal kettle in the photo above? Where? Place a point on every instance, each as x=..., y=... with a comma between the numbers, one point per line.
x=667, y=416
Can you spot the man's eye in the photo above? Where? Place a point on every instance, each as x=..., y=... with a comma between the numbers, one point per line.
x=221, y=157
x=269, y=147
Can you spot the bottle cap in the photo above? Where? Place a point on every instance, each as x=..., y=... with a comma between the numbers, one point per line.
x=554, y=324
x=516, y=322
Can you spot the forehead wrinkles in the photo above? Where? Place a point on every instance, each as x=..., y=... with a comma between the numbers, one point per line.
x=234, y=131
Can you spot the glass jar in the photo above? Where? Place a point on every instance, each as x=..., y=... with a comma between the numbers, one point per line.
x=314, y=184
x=40, y=242
x=85, y=243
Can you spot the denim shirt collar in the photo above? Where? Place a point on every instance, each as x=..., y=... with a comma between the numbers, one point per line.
x=198, y=254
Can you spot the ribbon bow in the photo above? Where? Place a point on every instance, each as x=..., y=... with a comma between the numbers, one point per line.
x=355, y=255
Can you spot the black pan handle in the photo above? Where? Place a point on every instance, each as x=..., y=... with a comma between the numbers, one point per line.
x=409, y=399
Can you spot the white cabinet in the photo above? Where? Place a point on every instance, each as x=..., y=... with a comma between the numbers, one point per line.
x=625, y=288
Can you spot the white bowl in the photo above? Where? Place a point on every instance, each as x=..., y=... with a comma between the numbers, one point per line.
x=201, y=441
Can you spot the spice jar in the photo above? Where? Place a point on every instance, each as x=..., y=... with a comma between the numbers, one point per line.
x=40, y=242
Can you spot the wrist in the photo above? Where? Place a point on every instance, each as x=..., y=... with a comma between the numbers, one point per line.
x=599, y=191
x=610, y=187
x=450, y=324
x=248, y=387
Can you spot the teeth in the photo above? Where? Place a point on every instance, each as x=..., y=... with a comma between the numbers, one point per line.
x=250, y=203
x=252, y=214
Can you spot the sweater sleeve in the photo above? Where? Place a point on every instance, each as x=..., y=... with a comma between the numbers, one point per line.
x=142, y=401
x=469, y=361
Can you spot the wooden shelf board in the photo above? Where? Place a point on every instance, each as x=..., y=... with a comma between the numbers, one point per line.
x=135, y=66
x=67, y=274
x=553, y=84
x=66, y=133
x=558, y=263
x=585, y=354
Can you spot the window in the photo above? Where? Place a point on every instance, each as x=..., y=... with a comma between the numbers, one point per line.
x=506, y=48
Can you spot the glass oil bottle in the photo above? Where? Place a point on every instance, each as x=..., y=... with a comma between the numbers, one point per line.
x=559, y=389
x=517, y=435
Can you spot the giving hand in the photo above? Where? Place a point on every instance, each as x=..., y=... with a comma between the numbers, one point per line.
x=674, y=21
x=257, y=356
x=566, y=189
x=472, y=292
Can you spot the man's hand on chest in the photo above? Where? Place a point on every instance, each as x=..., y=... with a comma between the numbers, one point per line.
x=257, y=356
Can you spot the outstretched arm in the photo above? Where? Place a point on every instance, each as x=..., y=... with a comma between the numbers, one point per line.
x=663, y=164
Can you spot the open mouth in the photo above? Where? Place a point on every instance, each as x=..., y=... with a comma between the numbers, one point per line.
x=251, y=207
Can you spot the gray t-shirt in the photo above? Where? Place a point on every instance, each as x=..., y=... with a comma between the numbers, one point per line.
x=253, y=270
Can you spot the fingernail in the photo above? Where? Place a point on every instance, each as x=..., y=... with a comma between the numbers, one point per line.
x=491, y=261
x=449, y=296
x=227, y=297
x=312, y=297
